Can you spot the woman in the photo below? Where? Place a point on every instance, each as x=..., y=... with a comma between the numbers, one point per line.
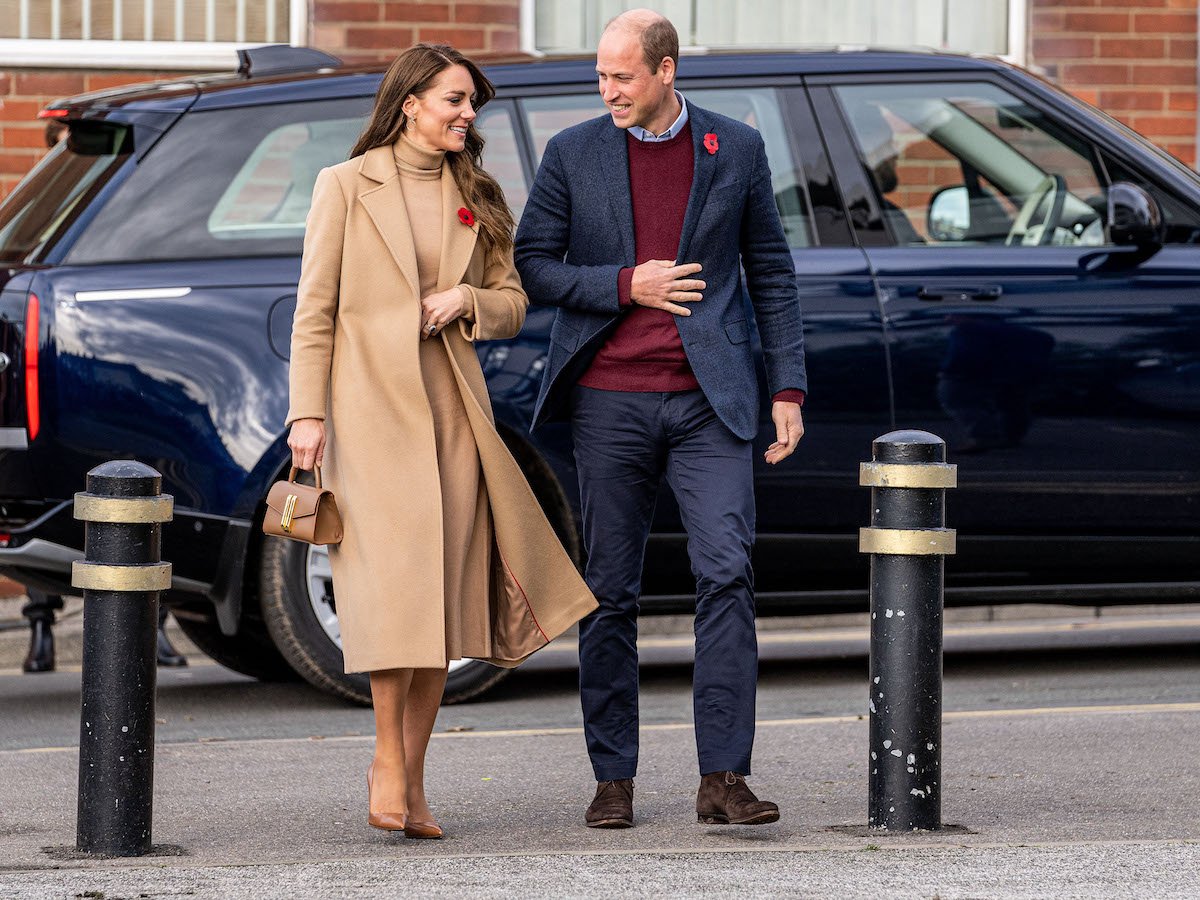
x=446, y=553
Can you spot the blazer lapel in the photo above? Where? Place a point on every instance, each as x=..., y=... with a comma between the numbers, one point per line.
x=384, y=204
x=613, y=163
x=458, y=238
x=704, y=168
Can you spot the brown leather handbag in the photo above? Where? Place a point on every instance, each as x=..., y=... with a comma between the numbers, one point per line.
x=303, y=512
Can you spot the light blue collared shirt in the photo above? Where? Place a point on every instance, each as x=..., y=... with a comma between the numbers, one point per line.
x=649, y=137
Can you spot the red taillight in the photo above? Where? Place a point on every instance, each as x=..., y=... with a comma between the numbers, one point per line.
x=33, y=416
x=54, y=114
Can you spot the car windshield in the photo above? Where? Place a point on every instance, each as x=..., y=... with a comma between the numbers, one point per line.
x=51, y=197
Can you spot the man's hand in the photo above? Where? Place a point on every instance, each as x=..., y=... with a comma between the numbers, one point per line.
x=307, y=441
x=660, y=284
x=789, y=428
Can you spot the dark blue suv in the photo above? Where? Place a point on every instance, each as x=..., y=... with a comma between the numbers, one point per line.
x=977, y=254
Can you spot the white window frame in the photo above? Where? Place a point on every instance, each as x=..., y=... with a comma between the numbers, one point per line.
x=1018, y=31
x=181, y=55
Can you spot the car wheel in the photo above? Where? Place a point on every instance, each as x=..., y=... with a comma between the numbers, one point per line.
x=298, y=604
x=249, y=652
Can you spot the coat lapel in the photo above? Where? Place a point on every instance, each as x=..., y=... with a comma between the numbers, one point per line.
x=704, y=168
x=613, y=163
x=384, y=204
x=458, y=239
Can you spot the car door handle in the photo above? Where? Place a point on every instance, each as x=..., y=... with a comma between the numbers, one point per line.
x=970, y=292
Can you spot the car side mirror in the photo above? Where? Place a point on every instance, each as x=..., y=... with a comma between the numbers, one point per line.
x=1134, y=218
x=949, y=216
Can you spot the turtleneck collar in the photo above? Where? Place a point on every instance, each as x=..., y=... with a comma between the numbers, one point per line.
x=414, y=161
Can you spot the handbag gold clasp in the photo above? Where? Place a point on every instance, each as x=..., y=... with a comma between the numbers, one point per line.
x=289, y=507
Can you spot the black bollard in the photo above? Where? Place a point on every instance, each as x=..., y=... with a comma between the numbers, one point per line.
x=907, y=541
x=121, y=576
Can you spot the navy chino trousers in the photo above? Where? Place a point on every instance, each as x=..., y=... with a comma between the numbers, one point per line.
x=625, y=443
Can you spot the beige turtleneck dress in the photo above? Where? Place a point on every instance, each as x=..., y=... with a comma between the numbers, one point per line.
x=466, y=524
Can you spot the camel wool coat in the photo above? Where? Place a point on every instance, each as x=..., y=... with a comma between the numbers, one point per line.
x=355, y=364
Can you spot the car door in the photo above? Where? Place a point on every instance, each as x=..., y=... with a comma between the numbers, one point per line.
x=1060, y=371
x=809, y=508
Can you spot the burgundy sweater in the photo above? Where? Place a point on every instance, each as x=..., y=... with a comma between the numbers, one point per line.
x=645, y=353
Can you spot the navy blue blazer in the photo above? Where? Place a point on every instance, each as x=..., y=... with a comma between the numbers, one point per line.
x=576, y=234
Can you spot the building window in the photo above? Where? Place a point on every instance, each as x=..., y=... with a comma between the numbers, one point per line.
x=181, y=34
x=982, y=26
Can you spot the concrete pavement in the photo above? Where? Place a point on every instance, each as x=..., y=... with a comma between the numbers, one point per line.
x=1071, y=773
x=1084, y=801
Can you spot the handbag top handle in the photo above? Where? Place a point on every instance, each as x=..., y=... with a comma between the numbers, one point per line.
x=292, y=476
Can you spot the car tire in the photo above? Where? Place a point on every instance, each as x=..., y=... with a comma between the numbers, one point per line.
x=302, y=621
x=249, y=652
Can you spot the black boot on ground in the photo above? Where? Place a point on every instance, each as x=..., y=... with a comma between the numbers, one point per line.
x=168, y=656
x=40, y=657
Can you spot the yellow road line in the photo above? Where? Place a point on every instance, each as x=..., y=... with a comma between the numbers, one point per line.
x=1106, y=710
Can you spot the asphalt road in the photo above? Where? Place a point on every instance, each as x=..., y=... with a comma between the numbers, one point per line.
x=822, y=672
x=1068, y=762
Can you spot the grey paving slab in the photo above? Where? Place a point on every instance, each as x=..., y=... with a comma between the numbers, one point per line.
x=1029, y=873
x=1077, y=775
x=1070, y=767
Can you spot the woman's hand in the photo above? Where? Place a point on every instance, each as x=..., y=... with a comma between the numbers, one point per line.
x=307, y=440
x=440, y=309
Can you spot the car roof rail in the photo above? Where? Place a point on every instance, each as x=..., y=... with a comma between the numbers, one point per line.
x=277, y=59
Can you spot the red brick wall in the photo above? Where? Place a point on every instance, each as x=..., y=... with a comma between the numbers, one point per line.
x=1135, y=59
x=355, y=30
x=367, y=30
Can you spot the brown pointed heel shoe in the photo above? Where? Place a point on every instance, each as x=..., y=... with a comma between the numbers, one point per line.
x=386, y=821
x=428, y=831
x=724, y=798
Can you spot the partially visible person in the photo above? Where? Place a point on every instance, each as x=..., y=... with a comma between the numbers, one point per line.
x=41, y=607
x=40, y=610
x=445, y=551
x=56, y=131
x=878, y=144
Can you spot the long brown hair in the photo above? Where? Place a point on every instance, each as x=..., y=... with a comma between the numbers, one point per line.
x=412, y=73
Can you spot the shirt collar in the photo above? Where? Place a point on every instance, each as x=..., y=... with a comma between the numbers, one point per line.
x=642, y=134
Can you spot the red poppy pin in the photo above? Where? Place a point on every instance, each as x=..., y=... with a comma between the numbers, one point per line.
x=710, y=143
x=466, y=217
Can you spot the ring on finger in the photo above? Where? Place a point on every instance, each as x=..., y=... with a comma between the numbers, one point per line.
x=432, y=329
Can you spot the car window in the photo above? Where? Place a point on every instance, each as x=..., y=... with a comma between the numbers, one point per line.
x=964, y=164
x=272, y=190
x=51, y=197
x=235, y=183
x=502, y=155
x=758, y=107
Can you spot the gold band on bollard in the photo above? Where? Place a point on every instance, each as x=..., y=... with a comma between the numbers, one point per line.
x=905, y=475
x=133, y=510
x=99, y=577
x=907, y=541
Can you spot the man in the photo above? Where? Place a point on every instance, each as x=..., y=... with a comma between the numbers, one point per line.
x=40, y=609
x=635, y=227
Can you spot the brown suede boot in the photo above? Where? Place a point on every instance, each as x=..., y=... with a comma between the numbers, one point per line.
x=612, y=806
x=725, y=799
